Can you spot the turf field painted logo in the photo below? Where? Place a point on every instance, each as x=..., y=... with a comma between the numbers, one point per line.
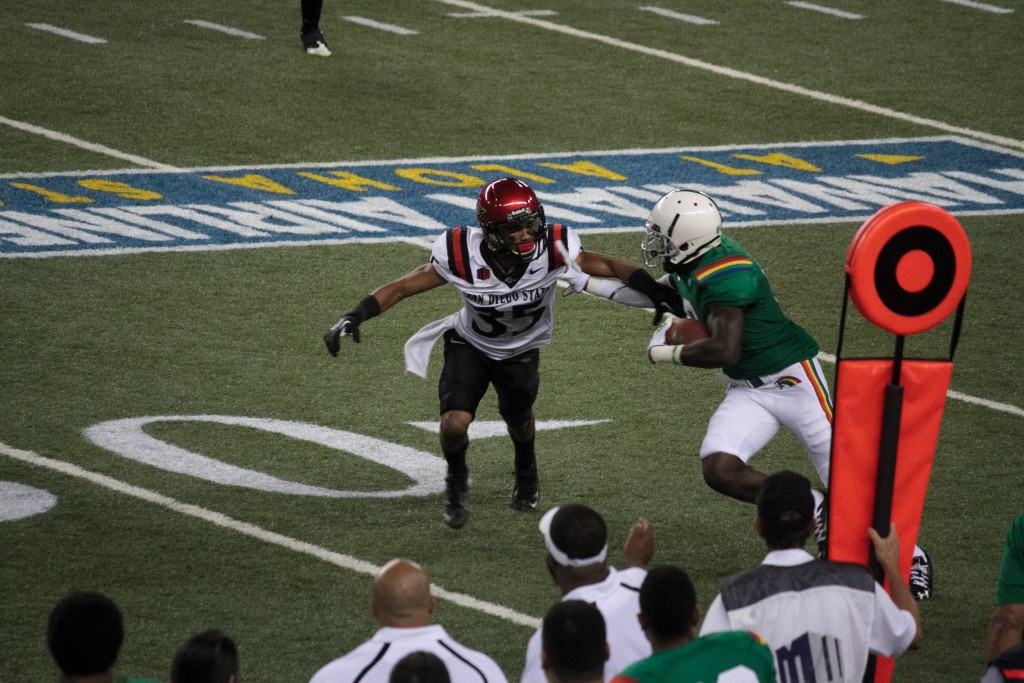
x=243, y=207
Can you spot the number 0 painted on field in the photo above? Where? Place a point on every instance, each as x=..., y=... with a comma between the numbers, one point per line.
x=127, y=438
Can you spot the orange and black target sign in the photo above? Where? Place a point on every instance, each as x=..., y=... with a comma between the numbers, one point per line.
x=909, y=266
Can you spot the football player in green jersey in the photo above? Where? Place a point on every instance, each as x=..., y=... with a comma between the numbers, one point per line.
x=768, y=361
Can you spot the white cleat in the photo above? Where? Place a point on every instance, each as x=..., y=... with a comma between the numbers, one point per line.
x=318, y=50
x=315, y=44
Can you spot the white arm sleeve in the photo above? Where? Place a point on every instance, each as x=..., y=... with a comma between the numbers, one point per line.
x=613, y=290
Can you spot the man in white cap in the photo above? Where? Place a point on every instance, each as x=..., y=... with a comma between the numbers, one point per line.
x=576, y=538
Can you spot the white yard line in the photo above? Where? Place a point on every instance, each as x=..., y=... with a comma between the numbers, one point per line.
x=982, y=6
x=390, y=28
x=825, y=10
x=230, y=30
x=259, y=533
x=63, y=32
x=688, y=18
x=741, y=75
x=523, y=12
x=91, y=146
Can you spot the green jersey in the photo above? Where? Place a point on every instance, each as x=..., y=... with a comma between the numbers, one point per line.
x=727, y=276
x=724, y=657
x=1010, y=589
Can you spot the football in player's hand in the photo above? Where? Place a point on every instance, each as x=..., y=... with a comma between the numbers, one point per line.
x=685, y=331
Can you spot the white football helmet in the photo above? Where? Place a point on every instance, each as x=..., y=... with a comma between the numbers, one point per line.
x=683, y=225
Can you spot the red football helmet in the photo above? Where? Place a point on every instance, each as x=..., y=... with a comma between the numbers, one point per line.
x=505, y=208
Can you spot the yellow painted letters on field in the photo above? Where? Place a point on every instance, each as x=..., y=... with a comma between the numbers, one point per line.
x=509, y=171
x=780, y=159
x=123, y=190
x=722, y=168
x=51, y=196
x=349, y=181
x=785, y=161
x=253, y=182
x=586, y=168
x=891, y=159
x=432, y=176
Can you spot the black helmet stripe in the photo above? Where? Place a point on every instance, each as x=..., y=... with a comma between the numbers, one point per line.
x=672, y=226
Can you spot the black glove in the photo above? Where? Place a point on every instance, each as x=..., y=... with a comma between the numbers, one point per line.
x=665, y=299
x=666, y=306
x=348, y=326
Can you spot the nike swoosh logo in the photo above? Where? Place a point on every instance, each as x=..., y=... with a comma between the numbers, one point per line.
x=536, y=270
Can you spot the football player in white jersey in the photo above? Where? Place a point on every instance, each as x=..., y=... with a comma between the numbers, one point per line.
x=507, y=271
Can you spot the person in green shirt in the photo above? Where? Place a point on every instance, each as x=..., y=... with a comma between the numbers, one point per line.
x=1007, y=622
x=668, y=615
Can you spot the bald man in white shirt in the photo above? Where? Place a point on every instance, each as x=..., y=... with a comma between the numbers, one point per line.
x=402, y=604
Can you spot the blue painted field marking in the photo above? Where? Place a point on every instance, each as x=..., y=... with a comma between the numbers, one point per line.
x=116, y=212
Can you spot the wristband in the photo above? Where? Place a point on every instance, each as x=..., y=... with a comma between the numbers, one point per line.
x=368, y=308
x=665, y=354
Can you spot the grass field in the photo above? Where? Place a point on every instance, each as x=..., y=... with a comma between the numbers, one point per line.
x=87, y=340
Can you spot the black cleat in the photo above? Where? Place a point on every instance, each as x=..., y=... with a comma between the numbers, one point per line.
x=456, y=508
x=921, y=577
x=821, y=527
x=526, y=493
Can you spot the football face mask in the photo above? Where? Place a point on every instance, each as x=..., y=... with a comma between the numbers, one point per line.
x=519, y=238
x=511, y=218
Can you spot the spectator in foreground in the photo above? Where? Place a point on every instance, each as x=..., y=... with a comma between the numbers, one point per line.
x=401, y=603
x=576, y=538
x=84, y=634
x=207, y=657
x=575, y=644
x=420, y=667
x=668, y=615
x=813, y=612
x=1003, y=649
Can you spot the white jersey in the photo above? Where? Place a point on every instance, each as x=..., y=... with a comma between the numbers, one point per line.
x=503, y=317
x=618, y=600
x=372, y=661
x=823, y=617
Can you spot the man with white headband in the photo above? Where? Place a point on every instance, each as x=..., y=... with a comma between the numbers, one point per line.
x=577, y=550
